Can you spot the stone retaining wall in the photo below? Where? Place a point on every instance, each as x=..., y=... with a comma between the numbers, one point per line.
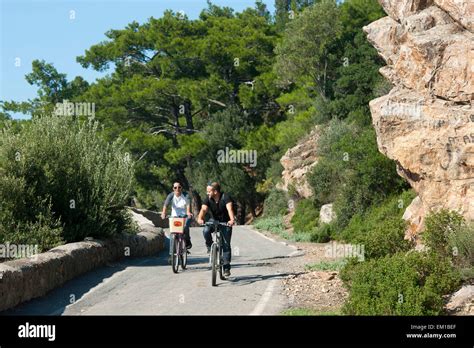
x=24, y=279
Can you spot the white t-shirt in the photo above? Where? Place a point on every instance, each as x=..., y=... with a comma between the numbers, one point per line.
x=178, y=204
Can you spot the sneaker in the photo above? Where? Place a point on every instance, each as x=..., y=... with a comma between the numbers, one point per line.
x=227, y=272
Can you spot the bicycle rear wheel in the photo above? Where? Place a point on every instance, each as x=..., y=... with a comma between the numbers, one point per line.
x=183, y=255
x=174, y=253
x=214, y=263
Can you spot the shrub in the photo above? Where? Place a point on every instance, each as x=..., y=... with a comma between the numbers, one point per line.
x=60, y=171
x=381, y=229
x=306, y=216
x=352, y=172
x=272, y=224
x=322, y=179
x=462, y=244
x=322, y=234
x=275, y=224
x=401, y=284
x=45, y=231
x=438, y=228
x=448, y=234
x=335, y=265
x=276, y=203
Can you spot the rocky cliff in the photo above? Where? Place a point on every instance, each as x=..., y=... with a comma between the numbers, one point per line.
x=426, y=122
x=297, y=162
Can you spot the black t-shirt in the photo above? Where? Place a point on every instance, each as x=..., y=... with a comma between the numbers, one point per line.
x=219, y=210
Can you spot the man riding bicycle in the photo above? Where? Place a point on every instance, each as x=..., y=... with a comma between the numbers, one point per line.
x=220, y=205
x=180, y=207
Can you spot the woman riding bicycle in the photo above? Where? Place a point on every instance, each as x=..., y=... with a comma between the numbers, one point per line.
x=180, y=207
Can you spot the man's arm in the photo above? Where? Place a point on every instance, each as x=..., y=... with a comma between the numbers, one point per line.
x=204, y=209
x=231, y=213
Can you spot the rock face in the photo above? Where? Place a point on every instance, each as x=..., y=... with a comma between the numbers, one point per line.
x=426, y=122
x=297, y=162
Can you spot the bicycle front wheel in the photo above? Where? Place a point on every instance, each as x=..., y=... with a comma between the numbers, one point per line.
x=183, y=255
x=175, y=251
x=214, y=264
x=221, y=266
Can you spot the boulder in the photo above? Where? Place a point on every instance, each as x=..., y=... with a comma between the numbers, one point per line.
x=326, y=214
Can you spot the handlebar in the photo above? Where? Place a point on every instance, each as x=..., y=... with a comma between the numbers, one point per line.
x=214, y=222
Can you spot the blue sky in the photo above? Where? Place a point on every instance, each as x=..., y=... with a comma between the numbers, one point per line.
x=45, y=29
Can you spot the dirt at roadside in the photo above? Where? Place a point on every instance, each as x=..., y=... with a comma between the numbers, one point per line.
x=318, y=291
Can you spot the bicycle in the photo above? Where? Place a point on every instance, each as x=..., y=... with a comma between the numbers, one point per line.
x=217, y=263
x=179, y=252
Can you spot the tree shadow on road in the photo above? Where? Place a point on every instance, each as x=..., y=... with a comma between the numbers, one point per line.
x=250, y=279
x=56, y=301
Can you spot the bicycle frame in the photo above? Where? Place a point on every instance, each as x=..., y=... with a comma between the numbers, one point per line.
x=216, y=254
x=178, y=248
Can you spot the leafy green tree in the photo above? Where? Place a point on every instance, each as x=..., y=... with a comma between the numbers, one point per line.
x=53, y=87
x=172, y=74
x=306, y=53
x=283, y=8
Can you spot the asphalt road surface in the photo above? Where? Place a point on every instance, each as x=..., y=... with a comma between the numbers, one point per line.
x=148, y=286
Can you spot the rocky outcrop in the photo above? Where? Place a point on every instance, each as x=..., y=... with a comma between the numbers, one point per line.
x=414, y=215
x=24, y=279
x=460, y=11
x=426, y=123
x=327, y=214
x=462, y=301
x=297, y=162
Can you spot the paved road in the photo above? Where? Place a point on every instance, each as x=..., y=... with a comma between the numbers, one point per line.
x=147, y=286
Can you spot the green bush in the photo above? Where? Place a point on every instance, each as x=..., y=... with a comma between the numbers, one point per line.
x=44, y=231
x=381, y=229
x=439, y=227
x=272, y=224
x=335, y=265
x=322, y=179
x=401, y=284
x=322, y=234
x=352, y=173
x=448, y=234
x=276, y=203
x=276, y=225
x=461, y=242
x=306, y=216
x=58, y=173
